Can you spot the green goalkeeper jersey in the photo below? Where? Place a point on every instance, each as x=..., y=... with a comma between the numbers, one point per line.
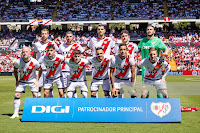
x=145, y=44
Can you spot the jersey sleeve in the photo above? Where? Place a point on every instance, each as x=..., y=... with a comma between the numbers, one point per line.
x=161, y=45
x=56, y=47
x=115, y=49
x=141, y=64
x=35, y=48
x=62, y=58
x=132, y=61
x=112, y=44
x=81, y=49
x=90, y=43
x=89, y=59
x=140, y=45
x=112, y=65
x=41, y=60
x=59, y=50
x=37, y=64
x=136, y=50
x=67, y=61
x=17, y=63
x=86, y=62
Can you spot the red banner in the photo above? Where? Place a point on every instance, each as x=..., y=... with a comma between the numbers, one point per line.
x=194, y=72
x=180, y=44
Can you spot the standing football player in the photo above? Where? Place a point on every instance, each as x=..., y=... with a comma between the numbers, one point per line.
x=153, y=74
x=40, y=49
x=77, y=74
x=124, y=74
x=27, y=67
x=131, y=47
x=100, y=75
x=66, y=50
x=52, y=62
x=101, y=41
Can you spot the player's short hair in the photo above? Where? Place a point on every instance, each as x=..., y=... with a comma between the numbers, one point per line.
x=76, y=52
x=51, y=46
x=100, y=25
x=152, y=49
x=99, y=48
x=45, y=30
x=122, y=44
x=69, y=32
x=150, y=25
x=124, y=31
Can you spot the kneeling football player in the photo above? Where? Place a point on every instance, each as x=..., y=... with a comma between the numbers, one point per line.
x=77, y=74
x=123, y=69
x=53, y=62
x=153, y=74
x=100, y=75
x=27, y=66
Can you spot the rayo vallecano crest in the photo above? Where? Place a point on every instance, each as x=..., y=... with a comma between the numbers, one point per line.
x=160, y=109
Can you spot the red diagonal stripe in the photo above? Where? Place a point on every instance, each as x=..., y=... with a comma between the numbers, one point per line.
x=47, y=22
x=32, y=22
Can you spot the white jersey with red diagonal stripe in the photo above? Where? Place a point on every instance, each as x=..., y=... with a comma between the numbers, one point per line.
x=77, y=70
x=41, y=48
x=100, y=68
x=132, y=48
x=152, y=70
x=53, y=66
x=107, y=44
x=67, y=52
x=123, y=67
x=27, y=69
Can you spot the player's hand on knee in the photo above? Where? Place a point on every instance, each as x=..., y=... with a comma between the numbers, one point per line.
x=36, y=84
x=163, y=80
x=113, y=91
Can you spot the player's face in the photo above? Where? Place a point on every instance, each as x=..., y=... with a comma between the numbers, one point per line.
x=100, y=54
x=44, y=35
x=153, y=56
x=125, y=37
x=123, y=51
x=51, y=52
x=150, y=31
x=25, y=53
x=77, y=58
x=69, y=38
x=101, y=30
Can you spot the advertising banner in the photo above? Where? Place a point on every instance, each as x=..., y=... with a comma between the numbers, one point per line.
x=101, y=110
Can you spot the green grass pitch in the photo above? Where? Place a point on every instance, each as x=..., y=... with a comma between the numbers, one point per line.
x=187, y=88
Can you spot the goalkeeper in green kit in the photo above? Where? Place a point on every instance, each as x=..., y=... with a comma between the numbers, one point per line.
x=151, y=41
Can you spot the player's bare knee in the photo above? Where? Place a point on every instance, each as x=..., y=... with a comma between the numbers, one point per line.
x=35, y=94
x=93, y=94
x=107, y=94
x=46, y=93
x=17, y=95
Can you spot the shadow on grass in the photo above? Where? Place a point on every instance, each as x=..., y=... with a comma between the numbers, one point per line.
x=10, y=114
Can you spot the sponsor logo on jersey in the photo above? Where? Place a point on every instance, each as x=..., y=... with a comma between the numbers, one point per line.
x=50, y=109
x=146, y=47
x=161, y=109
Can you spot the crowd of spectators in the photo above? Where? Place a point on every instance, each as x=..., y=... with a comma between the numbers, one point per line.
x=24, y=10
x=186, y=58
x=183, y=8
x=184, y=37
x=103, y=9
x=152, y=10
